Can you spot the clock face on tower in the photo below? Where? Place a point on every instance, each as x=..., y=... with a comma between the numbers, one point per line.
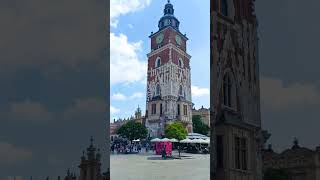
x=159, y=38
x=178, y=39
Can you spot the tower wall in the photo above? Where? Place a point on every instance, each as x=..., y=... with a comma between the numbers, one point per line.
x=236, y=112
x=169, y=77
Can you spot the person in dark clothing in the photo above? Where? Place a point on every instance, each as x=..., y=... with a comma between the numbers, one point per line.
x=164, y=153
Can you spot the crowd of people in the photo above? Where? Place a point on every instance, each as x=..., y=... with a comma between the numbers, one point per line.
x=130, y=147
x=125, y=146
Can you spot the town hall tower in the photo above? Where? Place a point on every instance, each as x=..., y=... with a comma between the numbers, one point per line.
x=169, y=78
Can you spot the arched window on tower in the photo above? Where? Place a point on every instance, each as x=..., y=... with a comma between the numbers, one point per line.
x=158, y=62
x=180, y=90
x=180, y=63
x=229, y=91
x=158, y=90
x=224, y=7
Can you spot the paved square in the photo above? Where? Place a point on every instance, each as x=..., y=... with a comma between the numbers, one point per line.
x=152, y=167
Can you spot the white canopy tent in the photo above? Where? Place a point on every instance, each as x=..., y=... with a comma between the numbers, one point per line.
x=187, y=141
x=164, y=140
x=174, y=140
x=156, y=140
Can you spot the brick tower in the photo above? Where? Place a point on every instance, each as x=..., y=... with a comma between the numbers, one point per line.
x=168, y=79
x=235, y=93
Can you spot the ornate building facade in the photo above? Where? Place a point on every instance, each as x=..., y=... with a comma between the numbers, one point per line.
x=235, y=94
x=298, y=162
x=116, y=124
x=169, y=78
x=204, y=113
x=90, y=166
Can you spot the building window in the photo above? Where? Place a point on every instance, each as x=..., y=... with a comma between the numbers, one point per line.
x=178, y=109
x=237, y=153
x=244, y=153
x=219, y=152
x=153, y=108
x=158, y=90
x=180, y=63
x=160, y=109
x=158, y=60
x=241, y=158
x=223, y=8
x=180, y=90
x=185, y=110
x=226, y=90
x=229, y=91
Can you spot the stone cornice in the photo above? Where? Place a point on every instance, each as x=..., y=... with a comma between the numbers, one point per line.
x=168, y=46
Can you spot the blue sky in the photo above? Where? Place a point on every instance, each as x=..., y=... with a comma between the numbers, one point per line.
x=131, y=24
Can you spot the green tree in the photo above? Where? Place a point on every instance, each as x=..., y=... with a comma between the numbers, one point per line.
x=199, y=126
x=133, y=130
x=276, y=174
x=176, y=130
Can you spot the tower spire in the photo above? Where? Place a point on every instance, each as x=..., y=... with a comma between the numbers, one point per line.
x=168, y=18
x=91, y=141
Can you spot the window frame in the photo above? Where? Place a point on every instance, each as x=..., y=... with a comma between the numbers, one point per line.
x=158, y=90
x=185, y=110
x=223, y=5
x=180, y=91
x=153, y=109
x=229, y=91
x=158, y=60
x=241, y=153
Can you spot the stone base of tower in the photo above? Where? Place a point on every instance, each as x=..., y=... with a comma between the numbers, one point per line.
x=156, y=130
x=189, y=128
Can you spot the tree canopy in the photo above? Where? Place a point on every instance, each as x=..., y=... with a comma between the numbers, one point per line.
x=176, y=130
x=133, y=130
x=199, y=126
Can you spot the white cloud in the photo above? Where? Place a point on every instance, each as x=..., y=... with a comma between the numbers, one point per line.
x=121, y=7
x=114, y=110
x=122, y=97
x=86, y=108
x=125, y=65
x=130, y=26
x=136, y=95
x=119, y=97
x=198, y=92
x=29, y=111
x=11, y=154
x=276, y=95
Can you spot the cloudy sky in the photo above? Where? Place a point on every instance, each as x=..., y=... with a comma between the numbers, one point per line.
x=289, y=70
x=129, y=44
x=53, y=77
x=53, y=84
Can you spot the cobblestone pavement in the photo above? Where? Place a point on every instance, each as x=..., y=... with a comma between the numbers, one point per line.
x=148, y=166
